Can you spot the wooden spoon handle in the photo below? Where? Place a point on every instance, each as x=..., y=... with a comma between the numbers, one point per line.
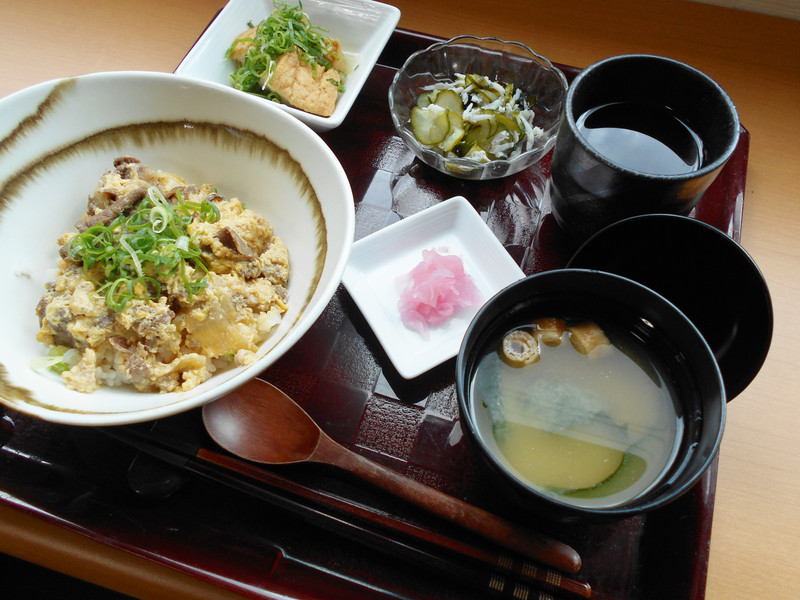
x=512, y=536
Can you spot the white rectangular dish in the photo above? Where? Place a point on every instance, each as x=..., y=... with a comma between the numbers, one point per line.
x=376, y=261
x=362, y=26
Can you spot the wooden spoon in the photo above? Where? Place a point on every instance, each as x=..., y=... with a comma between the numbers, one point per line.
x=260, y=423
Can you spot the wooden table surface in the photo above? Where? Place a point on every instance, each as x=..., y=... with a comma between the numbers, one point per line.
x=756, y=529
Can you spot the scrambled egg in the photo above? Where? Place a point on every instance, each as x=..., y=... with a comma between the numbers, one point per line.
x=176, y=341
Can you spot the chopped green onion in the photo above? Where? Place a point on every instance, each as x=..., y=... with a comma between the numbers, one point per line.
x=127, y=247
x=286, y=29
x=159, y=218
x=56, y=360
x=126, y=258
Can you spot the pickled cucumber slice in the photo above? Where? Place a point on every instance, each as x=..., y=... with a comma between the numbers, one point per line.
x=475, y=151
x=478, y=81
x=489, y=95
x=426, y=99
x=481, y=132
x=484, y=87
x=485, y=108
x=450, y=100
x=429, y=125
x=507, y=123
x=456, y=132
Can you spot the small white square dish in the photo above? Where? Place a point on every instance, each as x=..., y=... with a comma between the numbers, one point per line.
x=362, y=26
x=378, y=260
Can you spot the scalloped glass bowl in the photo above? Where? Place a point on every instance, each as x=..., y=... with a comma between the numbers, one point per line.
x=506, y=62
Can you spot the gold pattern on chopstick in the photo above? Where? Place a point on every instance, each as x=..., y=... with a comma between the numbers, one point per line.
x=497, y=584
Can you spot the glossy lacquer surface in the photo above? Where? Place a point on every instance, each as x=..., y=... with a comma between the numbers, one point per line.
x=235, y=532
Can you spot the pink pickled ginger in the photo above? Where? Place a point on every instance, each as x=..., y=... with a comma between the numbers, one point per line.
x=434, y=290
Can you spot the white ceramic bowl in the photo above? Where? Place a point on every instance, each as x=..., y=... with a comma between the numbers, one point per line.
x=363, y=27
x=56, y=140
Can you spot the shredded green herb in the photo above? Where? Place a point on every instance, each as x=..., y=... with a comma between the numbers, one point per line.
x=132, y=255
x=286, y=29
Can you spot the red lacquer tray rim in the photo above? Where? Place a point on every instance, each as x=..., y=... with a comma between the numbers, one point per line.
x=403, y=42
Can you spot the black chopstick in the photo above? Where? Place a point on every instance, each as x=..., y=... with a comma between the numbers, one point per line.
x=502, y=574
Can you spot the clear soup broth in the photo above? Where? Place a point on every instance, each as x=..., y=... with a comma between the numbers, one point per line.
x=577, y=412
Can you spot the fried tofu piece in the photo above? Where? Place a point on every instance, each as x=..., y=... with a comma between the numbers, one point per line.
x=240, y=49
x=588, y=338
x=300, y=86
x=520, y=348
x=335, y=56
x=311, y=89
x=550, y=330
